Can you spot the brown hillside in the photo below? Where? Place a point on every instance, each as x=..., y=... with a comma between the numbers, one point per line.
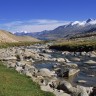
x=6, y=36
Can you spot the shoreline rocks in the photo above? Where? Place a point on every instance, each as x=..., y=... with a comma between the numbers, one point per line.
x=22, y=58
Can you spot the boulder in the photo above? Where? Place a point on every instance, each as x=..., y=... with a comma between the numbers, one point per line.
x=82, y=90
x=65, y=86
x=78, y=91
x=72, y=72
x=92, y=55
x=20, y=64
x=45, y=72
x=90, y=62
x=67, y=61
x=46, y=51
x=29, y=68
x=28, y=74
x=73, y=65
x=44, y=55
x=10, y=58
x=75, y=59
x=19, y=69
x=81, y=81
x=66, y=72
x=60, y=60
x=12, y=65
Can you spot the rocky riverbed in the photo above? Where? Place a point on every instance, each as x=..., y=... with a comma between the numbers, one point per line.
x=63, y=73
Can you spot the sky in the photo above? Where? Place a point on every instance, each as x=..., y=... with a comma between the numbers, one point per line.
x=39, y=15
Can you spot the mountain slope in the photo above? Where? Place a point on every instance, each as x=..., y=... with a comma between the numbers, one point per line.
x=9, y=37
x=66, y=30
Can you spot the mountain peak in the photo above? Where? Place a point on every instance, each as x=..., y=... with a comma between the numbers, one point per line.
x=89, y=20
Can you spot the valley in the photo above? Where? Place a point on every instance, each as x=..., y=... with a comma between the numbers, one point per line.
x=47, y=48
x=64, y=66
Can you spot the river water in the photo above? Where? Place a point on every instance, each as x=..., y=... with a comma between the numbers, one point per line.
x=87, y=73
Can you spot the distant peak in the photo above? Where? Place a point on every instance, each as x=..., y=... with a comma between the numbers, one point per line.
x=89, y=20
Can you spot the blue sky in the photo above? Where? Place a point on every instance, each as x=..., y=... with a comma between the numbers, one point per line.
x=38, y=15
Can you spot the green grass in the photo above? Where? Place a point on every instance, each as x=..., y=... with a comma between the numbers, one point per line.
x=17, y=44
x=14, y=84
x=71, y=45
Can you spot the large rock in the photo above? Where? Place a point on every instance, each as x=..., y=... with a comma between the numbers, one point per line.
x=10, y=58
x=90, y=62
x=75, y=59
x=72, y=72
x=20, y=64
x=67, y=61
x=29, y=67
x=60, y=60
x=45, y=72
x=65, y=86
x=92, y=55
x=28, y=74
x=81, y=81
x=44, y=55
x=19, y=69
x=10, y=64
x=66, y=72
x=73, y=65
x=46, y=51
x=78, y=91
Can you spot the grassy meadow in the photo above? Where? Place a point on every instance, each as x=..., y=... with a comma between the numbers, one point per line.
x=14, y=84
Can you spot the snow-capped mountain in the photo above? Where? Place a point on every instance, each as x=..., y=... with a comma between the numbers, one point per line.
x=65, y=30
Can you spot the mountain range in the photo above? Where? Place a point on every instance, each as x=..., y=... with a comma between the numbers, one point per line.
x=65, y=31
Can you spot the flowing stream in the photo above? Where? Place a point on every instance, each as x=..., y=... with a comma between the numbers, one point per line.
x=87, y=73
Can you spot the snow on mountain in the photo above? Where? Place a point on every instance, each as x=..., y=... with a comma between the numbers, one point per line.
x=62, y=31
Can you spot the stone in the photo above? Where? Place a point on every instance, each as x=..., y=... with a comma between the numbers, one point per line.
x=10, y=58
x=66, y=72
x=90, y=62
x=12, y=65
x=20, y=64
x=79, y=91
x=45, y=72
x=60, y=60
x=92, y=55
x=67, y=61
x=75, y=59
x=73, y=72
x=46, y=51
x=54, y=91
x=74, y=65
x=81, y=81
x=65, y=86
x=19, y=69
x=83, y=91
x=28, y=74
x=44, y=55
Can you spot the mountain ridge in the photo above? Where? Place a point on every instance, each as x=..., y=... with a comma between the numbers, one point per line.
x=62, y=31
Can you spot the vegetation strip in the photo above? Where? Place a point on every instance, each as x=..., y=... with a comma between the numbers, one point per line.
x=18, y=44
x=77, y=46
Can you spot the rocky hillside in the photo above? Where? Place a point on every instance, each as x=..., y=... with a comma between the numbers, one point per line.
x=9, y=37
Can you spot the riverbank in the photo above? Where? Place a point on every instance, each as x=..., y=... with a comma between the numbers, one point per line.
x=14, y=84
x=53, y=70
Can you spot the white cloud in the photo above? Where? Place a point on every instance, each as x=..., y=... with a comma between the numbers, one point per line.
x=35, y=25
